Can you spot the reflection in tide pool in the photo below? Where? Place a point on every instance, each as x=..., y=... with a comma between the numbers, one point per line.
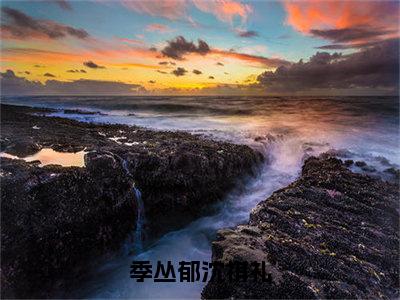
x=48, y=156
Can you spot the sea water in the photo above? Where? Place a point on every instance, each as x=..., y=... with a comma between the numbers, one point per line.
x=285, y=129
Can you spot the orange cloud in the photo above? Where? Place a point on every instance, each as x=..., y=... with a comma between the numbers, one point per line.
x=158, y=27
x=224, y=10
x=37, y=55
x=254, y=60
x=348, y=24
x=307, y=15
x=104, y=56
x=135, y=42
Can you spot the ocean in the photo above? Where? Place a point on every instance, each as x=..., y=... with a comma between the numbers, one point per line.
x=285, y=129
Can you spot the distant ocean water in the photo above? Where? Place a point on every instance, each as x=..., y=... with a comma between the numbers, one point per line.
x=285, y=129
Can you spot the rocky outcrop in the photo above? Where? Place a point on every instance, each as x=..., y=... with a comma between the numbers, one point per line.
x=330, y=234
x=56, y=219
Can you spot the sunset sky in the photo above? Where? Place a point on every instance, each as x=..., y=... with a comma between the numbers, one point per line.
x=199, y=47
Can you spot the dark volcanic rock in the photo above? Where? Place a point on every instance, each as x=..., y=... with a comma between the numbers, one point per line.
x=82, y=112
x=330, y=234
x=55, y=219
x=395, y=172
x=360, y=164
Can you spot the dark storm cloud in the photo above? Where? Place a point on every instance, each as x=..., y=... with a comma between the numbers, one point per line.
x=337, y=47
x=351, y=34
x=248, y=34
x=178, y=47
x=179, y=71
x=352, y=37
x=197, y=72
x=21, y=26
x=356, y=45
x=373, y=67
x=14, y=85
x=92, y=65
x=48, y=75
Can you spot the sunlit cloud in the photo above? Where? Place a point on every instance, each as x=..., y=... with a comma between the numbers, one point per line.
x=134, y=42
x=158, y=27
x=255, y=60
x=233, y=40
x=225, y=10
x=180, y=48
x=169, y=9
x=345, y=22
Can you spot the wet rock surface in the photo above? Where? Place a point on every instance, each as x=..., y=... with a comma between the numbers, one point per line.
x=330, y=234
x=56, y=219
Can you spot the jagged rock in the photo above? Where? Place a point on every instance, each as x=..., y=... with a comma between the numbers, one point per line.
x=55, y=220
x=24, y=147
x=330, y=234
x=348, y=162
x=360, y=164
x=395, y=172
x=82, y=112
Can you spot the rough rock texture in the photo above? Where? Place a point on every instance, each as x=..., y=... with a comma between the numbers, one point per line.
x=56, y=219
x=330, y=234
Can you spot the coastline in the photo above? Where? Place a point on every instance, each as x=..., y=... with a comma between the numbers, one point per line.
x=80, y=213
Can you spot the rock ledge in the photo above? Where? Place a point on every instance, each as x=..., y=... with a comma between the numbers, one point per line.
x=330, y=234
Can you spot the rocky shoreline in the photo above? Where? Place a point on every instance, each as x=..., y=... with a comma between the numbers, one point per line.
x=55, y=219
x=330, y=234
